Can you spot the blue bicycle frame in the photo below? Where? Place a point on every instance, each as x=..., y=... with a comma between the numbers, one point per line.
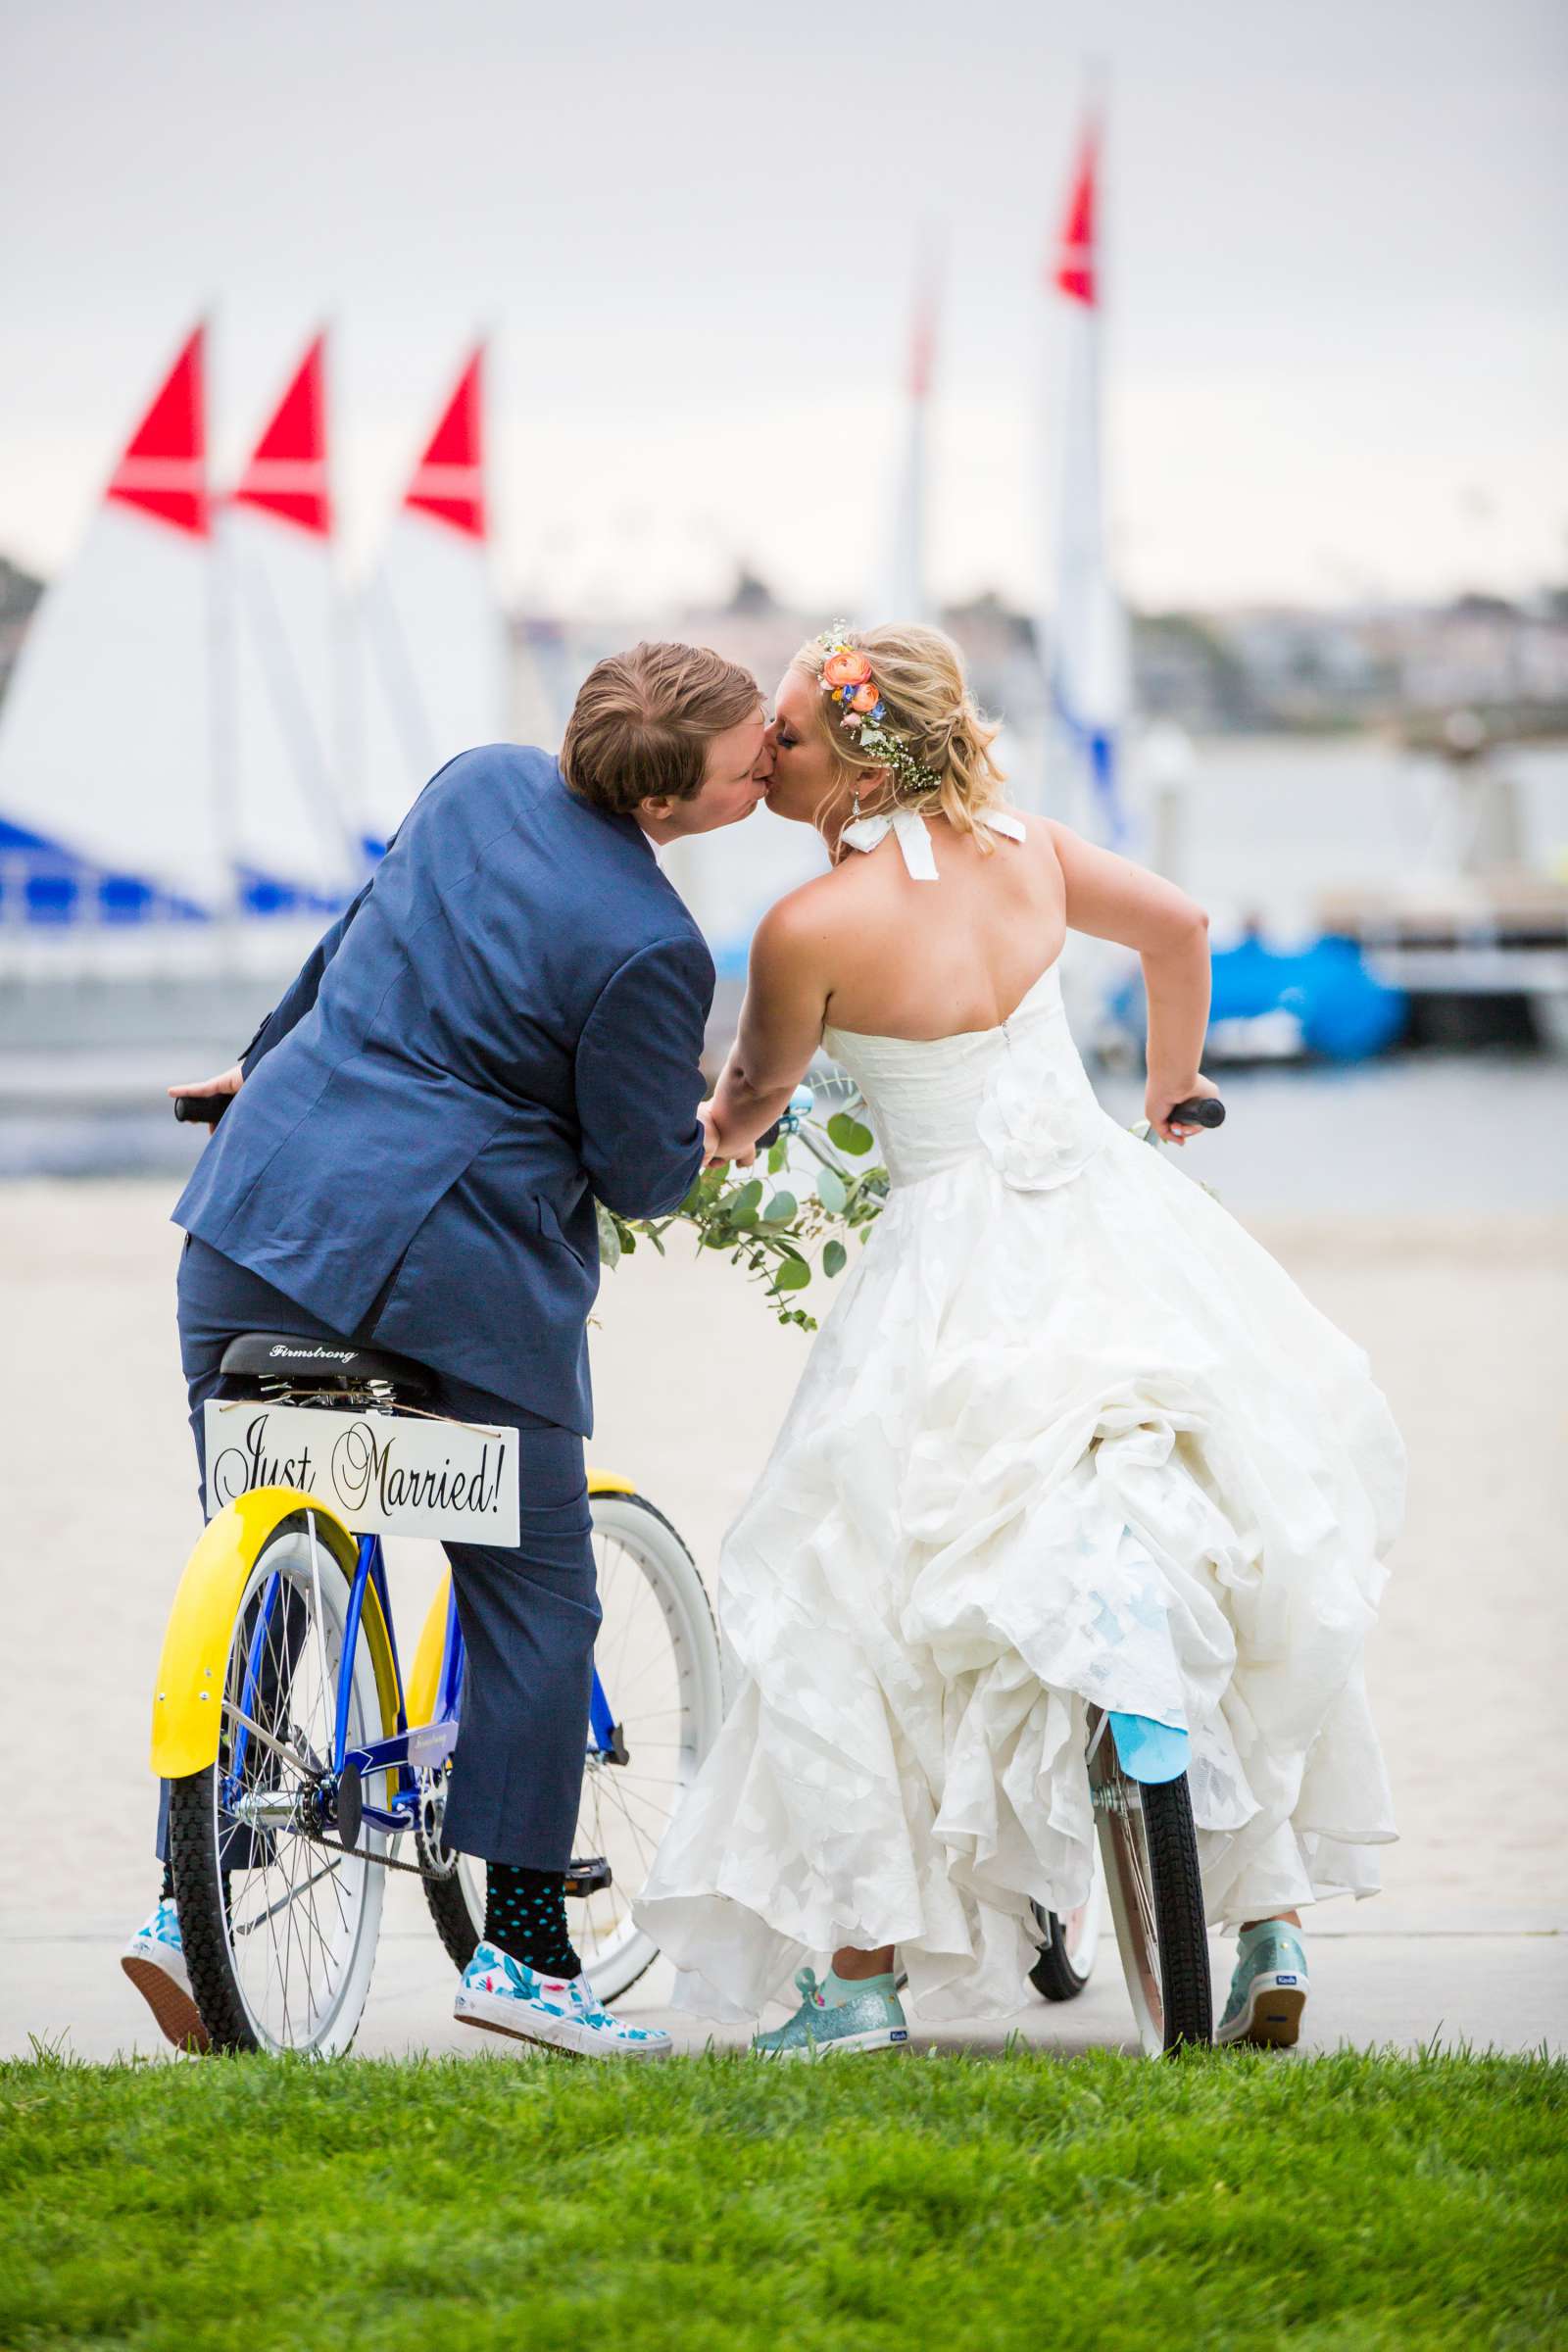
x=409, y=1749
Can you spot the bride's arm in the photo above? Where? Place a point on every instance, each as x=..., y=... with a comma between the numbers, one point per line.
x=1110, y=897
x=780, y=1025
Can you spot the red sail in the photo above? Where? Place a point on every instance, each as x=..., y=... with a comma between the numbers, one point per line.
x=449, y=479
x=163, y=470
x=287, y=472
x=1075, y=272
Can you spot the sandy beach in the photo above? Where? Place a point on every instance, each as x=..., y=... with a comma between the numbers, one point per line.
x=1465, y=1321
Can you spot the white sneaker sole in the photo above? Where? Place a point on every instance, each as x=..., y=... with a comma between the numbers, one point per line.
x=563, y=2034
x=844, y=2045
x=1272, y=2017
x=169, y=1999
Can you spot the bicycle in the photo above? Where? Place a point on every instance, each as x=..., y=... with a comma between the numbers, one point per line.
x=299, y=1756
x=1148, y=1861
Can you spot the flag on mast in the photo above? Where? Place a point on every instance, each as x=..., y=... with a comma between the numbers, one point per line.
x=1083, y=625
x=106, y=807
x=904, y=591
x=292, y=845
x=433, y=632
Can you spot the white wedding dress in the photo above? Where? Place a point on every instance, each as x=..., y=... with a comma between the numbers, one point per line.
x=1067, y=1436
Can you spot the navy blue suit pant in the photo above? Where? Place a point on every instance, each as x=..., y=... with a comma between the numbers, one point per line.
x=528, y=1616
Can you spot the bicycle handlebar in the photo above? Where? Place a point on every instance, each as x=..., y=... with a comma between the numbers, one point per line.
x=200, y=1110
x=1198, y=1110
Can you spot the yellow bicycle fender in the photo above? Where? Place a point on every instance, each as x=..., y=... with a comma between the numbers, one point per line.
x=425, y=1674
x=188, y=1701
x=422, y=1687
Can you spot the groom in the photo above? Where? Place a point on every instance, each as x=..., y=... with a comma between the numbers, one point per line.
x=505, y=1025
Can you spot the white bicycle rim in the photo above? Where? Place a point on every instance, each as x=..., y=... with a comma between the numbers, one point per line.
x=303, y=1928
x=658, y=1656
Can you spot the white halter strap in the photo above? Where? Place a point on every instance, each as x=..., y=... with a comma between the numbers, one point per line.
x=869, y=832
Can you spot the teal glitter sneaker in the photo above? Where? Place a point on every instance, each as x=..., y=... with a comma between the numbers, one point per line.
x=1268, y=1990
x=821, y=2028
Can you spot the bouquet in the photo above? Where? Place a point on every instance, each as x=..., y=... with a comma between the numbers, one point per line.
x=771, y=1224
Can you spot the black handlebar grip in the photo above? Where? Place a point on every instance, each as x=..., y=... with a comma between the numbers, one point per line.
x=766, y=1141
x=200, y=1110
x=1198, y=1110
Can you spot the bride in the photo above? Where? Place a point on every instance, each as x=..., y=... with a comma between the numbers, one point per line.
x=1068, y=1436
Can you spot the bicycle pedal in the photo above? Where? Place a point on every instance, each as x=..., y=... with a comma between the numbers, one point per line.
x=588, y=1875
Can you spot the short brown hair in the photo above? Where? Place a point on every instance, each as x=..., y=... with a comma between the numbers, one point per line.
x=641, y=724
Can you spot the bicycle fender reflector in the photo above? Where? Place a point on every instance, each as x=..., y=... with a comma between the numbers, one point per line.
x=1149, y=1751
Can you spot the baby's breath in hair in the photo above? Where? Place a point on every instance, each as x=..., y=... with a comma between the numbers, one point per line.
x=847, y=677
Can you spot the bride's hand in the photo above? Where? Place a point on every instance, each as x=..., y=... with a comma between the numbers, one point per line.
x=1162, y=1098
x=714, y=1148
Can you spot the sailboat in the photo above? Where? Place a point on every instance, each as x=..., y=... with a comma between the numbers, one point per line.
x=278, y=658
x=433, y=634
x=108, y=814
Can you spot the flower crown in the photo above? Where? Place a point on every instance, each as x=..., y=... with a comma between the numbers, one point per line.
x=847, y=677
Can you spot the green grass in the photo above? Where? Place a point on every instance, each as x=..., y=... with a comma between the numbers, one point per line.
x=714, y=2205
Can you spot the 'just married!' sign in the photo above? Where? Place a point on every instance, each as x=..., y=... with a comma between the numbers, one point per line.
x=384, y=1474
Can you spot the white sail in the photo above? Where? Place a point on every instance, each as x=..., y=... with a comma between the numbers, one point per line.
x=295, y=848
x=108, y=810
x=431, y=634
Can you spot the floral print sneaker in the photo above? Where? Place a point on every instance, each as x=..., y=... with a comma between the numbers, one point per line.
x=868, y=2021
x=1269, y=1989
x=155, y=1962
x=502, y=1995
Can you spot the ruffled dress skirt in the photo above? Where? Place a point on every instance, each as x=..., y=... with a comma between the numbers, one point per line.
x=1070, y=1438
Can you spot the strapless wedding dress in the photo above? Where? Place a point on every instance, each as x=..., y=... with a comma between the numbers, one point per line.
x=1069, y=1436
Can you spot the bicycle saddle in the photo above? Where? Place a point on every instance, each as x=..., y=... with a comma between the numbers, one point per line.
x=331, y=1364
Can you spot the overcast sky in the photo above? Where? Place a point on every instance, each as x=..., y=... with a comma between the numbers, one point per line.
x=1337, y=256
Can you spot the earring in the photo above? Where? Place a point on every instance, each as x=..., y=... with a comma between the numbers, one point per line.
x=854, y=813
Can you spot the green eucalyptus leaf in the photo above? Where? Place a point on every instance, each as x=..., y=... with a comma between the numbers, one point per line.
x=849, y=1135
x=782, y=1210
x=778, y=1157
x=831, y=1192
x=835, y=1257
x=747, y=1198
x=793, y=1275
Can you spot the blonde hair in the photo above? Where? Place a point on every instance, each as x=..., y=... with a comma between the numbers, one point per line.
x=920, y=675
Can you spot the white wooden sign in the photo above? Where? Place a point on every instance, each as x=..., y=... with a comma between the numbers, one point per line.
x=384, y=1474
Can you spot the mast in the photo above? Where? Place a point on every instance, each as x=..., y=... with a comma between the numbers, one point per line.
x=904, y=589
x=1082, y=626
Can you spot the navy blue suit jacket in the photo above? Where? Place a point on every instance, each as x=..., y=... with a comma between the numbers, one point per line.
x=507, y=1022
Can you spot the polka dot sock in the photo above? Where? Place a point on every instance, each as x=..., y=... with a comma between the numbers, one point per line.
x=526, y=1917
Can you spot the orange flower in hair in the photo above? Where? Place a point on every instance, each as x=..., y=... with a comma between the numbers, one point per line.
x=848, y=666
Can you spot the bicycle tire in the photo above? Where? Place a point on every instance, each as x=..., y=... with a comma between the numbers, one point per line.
x=456, y=1903
x=209, y=1935
x=1161, y=1931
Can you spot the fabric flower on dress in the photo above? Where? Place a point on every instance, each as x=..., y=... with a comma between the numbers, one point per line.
x=1038, y=1127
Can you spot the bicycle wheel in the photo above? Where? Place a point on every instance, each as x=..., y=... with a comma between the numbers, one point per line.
x=1068, y=1945
x=658, y=1658
x=279, y=1923
x=1157, y=1897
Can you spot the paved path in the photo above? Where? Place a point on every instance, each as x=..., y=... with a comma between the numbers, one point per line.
x=1465, y=1321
